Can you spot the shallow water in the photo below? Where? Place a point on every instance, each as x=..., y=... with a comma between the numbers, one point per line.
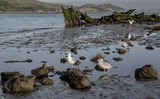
x=37, y=44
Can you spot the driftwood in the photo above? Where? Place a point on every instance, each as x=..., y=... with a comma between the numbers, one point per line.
x=76, y=18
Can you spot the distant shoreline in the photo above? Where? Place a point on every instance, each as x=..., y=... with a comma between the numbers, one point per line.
x=30, y=12
x=44, y=12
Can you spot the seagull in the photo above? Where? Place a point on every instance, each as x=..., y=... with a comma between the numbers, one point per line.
x=129, y=36
x=103, y=64
x=125, y=44
x=130, y=22
x=71, y=59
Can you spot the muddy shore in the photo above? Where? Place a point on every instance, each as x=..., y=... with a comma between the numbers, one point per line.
x=120, y=83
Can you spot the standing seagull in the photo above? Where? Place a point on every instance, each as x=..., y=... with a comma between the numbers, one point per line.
x=104, y=65
x=128, y=36
x=130, y=22
x=70, y=59
x=125, y=44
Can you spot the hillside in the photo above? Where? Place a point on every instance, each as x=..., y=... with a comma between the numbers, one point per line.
x=99, y=8
x=27, y=6
x=37, y=6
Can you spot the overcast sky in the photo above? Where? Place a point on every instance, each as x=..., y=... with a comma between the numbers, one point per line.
x=138, y=4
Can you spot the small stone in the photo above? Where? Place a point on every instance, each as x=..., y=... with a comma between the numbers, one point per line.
x=105, y=77
x=47, y=81
x=117, y=59
x=82, y=58
x=106, y=52
x=43, y=61
x=37, y=84
x=121, y=51
x=149, y=47
x=87, y=71
x=74, y=50
x=63, y=60
x=52, y=51
x=29, y=60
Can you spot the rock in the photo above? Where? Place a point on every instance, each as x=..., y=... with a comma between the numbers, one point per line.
x=9, y=75
x=121, y=51
x=29, y=60
x=47, y=81
x=42, y=71
x=117, y=59
x=59, y=72
x=79, y=81
x=149, y=47
x=98, y=68
x=147, y=72
x=37, y=84
x=156, y=28
x=63, y=60
x=74, y=50
x=87, y=71
x=77, y=63
x=18, y=61
x=52, y=51
x=75, y=79
x=105, y=77
x=82, y=58
x=65, y=75
x=19, y=85
x=73, y=70
x=43, y=61
x=107, y=53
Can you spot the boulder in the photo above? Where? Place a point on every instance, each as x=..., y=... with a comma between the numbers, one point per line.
x=47, y=81
x=65, y=75
x=19, y=85
x=9, y=75
x=42, y=71
x=147, y=72
x=79, y=81
x=76, y=79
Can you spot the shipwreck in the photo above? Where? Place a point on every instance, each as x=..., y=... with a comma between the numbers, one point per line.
x=75, y=18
